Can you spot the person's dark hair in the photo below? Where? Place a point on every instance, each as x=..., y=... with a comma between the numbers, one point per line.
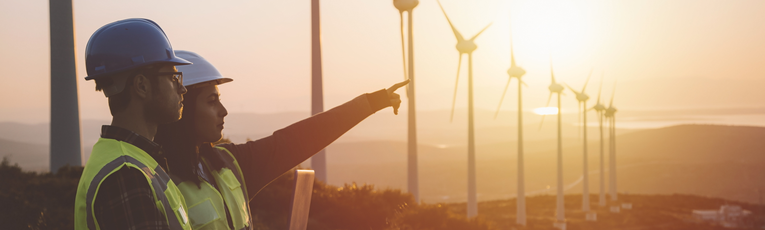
x=120, y=101
x=179, y=141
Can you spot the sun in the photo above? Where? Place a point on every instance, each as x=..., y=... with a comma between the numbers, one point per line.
x=558, y=28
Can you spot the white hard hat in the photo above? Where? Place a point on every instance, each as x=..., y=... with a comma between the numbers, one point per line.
x=200, y=72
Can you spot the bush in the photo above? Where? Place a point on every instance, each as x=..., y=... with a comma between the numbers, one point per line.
x=29, y=200
x=355, y=207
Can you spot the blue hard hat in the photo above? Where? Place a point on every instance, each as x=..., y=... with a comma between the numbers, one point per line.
x=128, y=44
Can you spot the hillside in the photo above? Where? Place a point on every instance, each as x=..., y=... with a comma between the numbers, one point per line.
x=32, y=157
x=706, y=160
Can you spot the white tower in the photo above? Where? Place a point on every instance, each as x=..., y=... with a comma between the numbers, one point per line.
x=467, y=47
x=65, y=145
x=582, y=98
x=413, y=184
x=560, y=216
x=516, y=71
x=318, y=161
x=600, y=109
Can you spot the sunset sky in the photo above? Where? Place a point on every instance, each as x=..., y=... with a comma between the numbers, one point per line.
x=663, y=54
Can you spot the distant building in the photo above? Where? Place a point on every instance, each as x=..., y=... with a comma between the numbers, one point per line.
x=729, y=216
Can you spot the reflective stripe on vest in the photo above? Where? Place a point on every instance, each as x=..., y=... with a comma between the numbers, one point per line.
x=158, y=180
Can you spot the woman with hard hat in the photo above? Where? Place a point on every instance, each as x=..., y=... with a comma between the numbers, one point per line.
x=218, y=181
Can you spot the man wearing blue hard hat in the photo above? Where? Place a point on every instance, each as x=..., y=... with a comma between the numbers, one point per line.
x=124, y=184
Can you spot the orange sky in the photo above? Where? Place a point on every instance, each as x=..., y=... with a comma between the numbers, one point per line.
x=665, y=54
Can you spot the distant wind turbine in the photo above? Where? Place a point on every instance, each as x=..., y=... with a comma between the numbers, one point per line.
x=467, y=47
x=611, y=117
x=413, y=186
x=582, y=98
x=600, y=109
x=560, y=221
x=516, y=71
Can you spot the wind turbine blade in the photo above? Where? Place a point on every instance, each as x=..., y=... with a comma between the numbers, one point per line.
x=512, y=55
x=543, y=115
x=403, y=53
x=456, y=83
x=479, y=32
x=552, y=73
x=588, y=80
x=456, y=33
x=601, y=86
x=578, y=119
x=502, y=98
x=610, y=104
x=572, y=89
x=542, y=122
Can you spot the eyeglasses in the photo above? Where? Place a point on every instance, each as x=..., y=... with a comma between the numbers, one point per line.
x=177, y=77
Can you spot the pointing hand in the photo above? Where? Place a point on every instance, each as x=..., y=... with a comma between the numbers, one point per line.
x=395, y=99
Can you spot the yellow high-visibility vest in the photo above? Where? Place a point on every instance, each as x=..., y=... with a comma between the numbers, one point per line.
x=207, y=206
x=110, y=155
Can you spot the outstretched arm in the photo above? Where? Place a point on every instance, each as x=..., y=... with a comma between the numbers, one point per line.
x=265, y=159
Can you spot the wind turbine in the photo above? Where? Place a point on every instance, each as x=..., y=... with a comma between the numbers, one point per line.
x=467, y=47
x=611, y=117
x=318, y=161
x=516, y=71
x=412, y=172
x=582, y=98
x=560, y=221
x=600, y=109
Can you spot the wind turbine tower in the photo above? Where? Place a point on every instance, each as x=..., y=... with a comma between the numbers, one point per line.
x=517, y=72
x=611, y=117
x=318, y=161
x=560, y=221
x=582, y=98
x=467, y=47
x=65, y=145
x=600, y=110
x=413, y=185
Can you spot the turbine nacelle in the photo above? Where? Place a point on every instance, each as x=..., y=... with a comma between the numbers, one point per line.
x=463, y=45
x=610, y=111
x=555, y=88
x=516, y=72
x=466, y=46
x=582, y=97
x=405, y=5
x=599, y=107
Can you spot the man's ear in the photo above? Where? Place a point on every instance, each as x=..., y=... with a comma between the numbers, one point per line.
x=141, y=86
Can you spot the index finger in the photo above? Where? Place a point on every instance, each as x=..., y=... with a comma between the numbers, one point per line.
x=398, y=85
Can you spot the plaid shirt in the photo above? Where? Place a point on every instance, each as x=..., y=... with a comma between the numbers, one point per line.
x=125, y=200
